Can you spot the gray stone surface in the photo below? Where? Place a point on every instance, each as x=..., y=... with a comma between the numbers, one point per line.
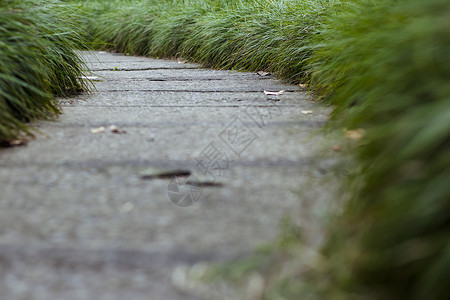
x=104, y=61
x=78, y=220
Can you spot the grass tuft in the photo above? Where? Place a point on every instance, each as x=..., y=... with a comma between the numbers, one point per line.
x=251, y=35
x=385, y=66
x=37, y=42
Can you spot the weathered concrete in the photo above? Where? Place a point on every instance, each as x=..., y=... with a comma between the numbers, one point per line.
x=77, y=219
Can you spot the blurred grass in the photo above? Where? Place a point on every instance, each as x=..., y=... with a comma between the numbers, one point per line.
x=38, y=62
x=385, y=66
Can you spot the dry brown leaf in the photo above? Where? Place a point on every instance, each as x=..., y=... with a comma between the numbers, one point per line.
x=268, y=93
x=307, y=112
x=115, y=129
x=15, y=143
x=262, y=73
x=356, y=134
x=98, y=130
x=336, y=148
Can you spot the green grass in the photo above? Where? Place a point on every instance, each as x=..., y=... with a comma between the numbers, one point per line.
x=269, y=35
x=38, y=62
x=385, y=66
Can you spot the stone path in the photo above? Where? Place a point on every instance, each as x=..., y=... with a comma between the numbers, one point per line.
x=84, y=216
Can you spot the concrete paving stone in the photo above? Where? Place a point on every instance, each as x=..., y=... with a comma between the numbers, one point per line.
x=161, y=141
x=180, y=75
x=135, y=66
x=42, y=272
x=99, y=61
x=260, y=116
x=232, y=85
x=93, y=212
x=184, y=99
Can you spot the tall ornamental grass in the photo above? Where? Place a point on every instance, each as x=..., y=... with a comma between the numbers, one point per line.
x=253, y=35
x=38, y=62
x=385, y=66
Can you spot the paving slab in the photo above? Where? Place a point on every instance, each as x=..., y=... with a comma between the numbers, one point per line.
x=180, y=75
x=103, y=61
x=79, y=220
x=187, y=98
x=232, y=85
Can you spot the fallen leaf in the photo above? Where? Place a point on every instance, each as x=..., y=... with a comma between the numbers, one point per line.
x=355, y=135
x=336, y=148
x=307, y=112
x=115, y=129
x=98, y=130
x=15, y=143
x=128, y=207
x=182, y=61
x=262, y=73
x=268, y=93
x=303, y=86
x=92, y=78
